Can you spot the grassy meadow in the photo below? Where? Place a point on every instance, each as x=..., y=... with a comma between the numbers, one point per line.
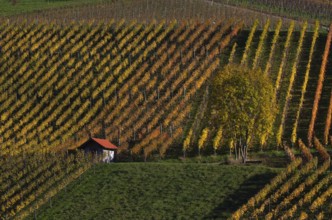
x=15, y=7
x=157, y=191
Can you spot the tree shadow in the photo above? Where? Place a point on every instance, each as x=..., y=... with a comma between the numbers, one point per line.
x=247, y=189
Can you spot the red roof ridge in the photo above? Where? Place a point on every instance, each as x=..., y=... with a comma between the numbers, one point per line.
x=105, y=143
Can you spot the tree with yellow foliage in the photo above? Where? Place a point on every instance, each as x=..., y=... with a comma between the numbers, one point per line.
x=243, y=104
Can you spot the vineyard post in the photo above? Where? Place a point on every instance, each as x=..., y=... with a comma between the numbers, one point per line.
x=269, y=205
x=231, y=56
x=104, y=101
x=50, y=202
x=236, y=152
x=134, y=134
x=119, y=136
x=36, y=208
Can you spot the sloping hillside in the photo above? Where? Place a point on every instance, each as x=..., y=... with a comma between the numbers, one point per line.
x=299, y=64
x=132, y=83
x=124, y=81
x=144, y=86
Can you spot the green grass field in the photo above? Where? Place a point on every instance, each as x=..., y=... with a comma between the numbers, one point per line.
x=157, y=191
x=25, y=6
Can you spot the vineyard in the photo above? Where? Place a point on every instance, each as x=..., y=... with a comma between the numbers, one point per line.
x=303, y=191
x=145, y=87
x=140, y=10
x=299, y=71
x=131, y=83
x=306, y=9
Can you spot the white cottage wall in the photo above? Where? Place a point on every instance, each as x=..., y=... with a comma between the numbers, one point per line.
x=108, y=156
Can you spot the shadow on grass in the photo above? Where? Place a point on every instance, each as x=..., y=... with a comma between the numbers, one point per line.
x=234, y=201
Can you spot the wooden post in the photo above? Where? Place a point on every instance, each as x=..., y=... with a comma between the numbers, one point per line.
x=119, y=136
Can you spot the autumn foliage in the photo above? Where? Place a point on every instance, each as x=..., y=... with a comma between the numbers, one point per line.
x=319, y=87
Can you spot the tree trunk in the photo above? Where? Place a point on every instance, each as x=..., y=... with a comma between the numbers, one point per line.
x=244, y=153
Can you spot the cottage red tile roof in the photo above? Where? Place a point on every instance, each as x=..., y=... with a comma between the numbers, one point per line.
x=105, y=143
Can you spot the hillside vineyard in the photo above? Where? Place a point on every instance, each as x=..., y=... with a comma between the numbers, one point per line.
x=130, y=82
x=143, y=86
x=134, y=83
x=303, y=191
x=122, y=80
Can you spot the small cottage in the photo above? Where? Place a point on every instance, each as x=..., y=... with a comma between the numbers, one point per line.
x=100, y=147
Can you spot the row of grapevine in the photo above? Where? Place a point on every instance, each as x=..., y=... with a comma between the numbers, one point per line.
x=283, y=57
x=273, y=46
x=58, y=122
x=161, y=96
x=39, y=174
x=261, y=44
x=156, y=128
x=304, y=190
x=328, y=122
x=267, y=190
x=290, y=86
x=319, y=86
x=248, y=43
x=25, y=124
x=305, y=83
